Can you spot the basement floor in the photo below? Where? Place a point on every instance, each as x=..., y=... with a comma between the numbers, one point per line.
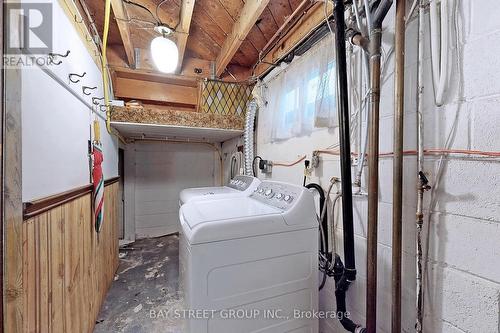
x=146, y=287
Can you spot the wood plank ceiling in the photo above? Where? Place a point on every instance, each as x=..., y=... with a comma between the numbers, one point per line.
x=212, y=24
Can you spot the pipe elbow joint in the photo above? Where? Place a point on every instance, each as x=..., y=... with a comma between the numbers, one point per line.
x=357, y=39
x=350, y=274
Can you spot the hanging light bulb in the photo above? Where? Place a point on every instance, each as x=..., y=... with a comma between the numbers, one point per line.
x=164, y=51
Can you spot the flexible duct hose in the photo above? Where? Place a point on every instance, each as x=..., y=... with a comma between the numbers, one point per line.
x=248, y=136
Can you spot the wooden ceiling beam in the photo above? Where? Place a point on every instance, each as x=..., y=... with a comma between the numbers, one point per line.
x=312, y=19
x=122, y=22
x=193, y=67
x=152, y=76
x=155, y=91
x=186, y=14
x=249, y=15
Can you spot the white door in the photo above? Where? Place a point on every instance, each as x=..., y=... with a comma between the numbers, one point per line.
x=162, y=170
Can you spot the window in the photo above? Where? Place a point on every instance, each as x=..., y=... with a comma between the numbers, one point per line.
x=303, y=95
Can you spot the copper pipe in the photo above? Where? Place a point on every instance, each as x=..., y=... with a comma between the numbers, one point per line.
x=428, y=151
x=397, y=193
x=291, y=164
x=373, y=160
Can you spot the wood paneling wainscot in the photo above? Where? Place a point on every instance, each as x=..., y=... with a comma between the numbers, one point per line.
x=67, y=266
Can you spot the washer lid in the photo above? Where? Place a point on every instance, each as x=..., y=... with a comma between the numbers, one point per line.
x=200, y=212
x=190, y=193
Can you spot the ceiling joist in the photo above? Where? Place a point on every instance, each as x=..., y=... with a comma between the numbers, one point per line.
x=250, y=13
x=312, y=19
x=152, y=76
x=122, y=22
x=155, y=91
x=186, y=14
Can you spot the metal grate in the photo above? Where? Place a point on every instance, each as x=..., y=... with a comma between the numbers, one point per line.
x=224, y=98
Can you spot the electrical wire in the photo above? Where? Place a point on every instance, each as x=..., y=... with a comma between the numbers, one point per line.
x=135, y=20
x=158, y=8
x=253, y=165
x=158, y=22
x=158, y=16
x=283, y=164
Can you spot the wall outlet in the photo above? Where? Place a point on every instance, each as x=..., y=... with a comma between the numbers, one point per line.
x=266, y=166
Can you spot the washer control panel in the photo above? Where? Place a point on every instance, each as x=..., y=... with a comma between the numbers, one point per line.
x=240, y=183
x=277, y=194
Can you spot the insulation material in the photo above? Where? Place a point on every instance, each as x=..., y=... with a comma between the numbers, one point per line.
x=147, y=115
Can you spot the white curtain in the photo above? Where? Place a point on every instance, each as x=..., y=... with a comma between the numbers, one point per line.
x=302, y=95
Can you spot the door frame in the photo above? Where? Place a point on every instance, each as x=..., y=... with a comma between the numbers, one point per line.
x=11, y=192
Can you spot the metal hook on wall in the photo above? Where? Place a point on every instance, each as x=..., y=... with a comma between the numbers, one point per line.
x=54, y=56
x=71, y=75
x=85, y=89
x=95, y=100
x=78, y=20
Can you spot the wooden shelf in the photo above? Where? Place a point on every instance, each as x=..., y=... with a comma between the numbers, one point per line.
x=173, y=132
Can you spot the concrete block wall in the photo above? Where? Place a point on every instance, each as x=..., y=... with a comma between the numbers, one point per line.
x=462, y=225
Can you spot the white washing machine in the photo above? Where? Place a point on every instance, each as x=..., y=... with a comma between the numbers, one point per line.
x=238, y=186
x=250, y=264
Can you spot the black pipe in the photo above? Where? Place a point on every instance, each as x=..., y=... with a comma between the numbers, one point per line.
x=324, y=222
x=345, y=142
x=344, y=273
x=341, y=286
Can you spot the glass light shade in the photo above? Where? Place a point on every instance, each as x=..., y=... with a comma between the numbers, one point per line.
x=165, y=54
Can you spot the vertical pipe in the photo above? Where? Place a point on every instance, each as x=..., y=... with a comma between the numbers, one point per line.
x=420, y=168
x=397, y=198
x=373, y=159
x=373, y=152
x=360, y=112
x=345, y=148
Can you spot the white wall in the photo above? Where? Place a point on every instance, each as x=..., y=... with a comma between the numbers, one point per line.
x=155, y=173
x=56, y=125
x=462, y=288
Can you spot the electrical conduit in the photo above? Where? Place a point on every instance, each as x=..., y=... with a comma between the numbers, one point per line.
x=439, y=48
x=104, y=62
